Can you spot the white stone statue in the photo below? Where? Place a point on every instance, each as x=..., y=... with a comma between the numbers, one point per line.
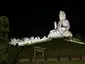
x=62, y=30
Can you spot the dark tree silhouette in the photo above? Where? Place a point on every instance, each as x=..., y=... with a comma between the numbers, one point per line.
x=8, y=53
x=45, y=55
x=69, y=58
x=4, y=29
x=80, y=56
x=58, y=56
x=79, y=36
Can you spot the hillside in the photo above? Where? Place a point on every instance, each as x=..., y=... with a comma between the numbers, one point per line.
x=59, y=46
x=63, y=47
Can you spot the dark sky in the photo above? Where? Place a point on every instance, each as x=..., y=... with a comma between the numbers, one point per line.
x=37, y=19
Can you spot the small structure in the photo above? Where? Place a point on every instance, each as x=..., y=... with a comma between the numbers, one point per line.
x=38, y=53
x=39, y=50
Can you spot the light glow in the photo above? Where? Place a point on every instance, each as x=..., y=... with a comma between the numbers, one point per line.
x=28, y=41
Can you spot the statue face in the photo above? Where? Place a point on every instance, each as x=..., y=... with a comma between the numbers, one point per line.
x=62, y=15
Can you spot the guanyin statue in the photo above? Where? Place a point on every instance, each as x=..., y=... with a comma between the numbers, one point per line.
x=62, y=28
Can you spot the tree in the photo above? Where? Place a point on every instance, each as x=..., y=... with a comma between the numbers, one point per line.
x=8, y=53
x=13, y=54
x=4, y=29
x=78, y=36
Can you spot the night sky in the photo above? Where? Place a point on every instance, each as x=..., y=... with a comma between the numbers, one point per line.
x=37, y=19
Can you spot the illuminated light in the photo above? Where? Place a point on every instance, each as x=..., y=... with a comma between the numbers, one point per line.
x=28, y=41
x=75, y=41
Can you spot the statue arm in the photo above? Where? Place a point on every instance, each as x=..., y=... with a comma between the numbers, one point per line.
x=67, y=25
x=59, y=24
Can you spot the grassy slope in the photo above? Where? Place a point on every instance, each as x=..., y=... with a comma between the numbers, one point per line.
x=61, y=46
x=59, y=62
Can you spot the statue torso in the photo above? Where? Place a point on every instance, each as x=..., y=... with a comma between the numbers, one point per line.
x=63, y=23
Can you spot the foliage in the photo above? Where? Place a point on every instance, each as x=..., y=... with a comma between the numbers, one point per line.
x=13, y=53
x=2, y=52
x=8, y=53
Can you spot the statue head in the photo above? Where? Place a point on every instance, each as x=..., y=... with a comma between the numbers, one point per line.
x=62, y=15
